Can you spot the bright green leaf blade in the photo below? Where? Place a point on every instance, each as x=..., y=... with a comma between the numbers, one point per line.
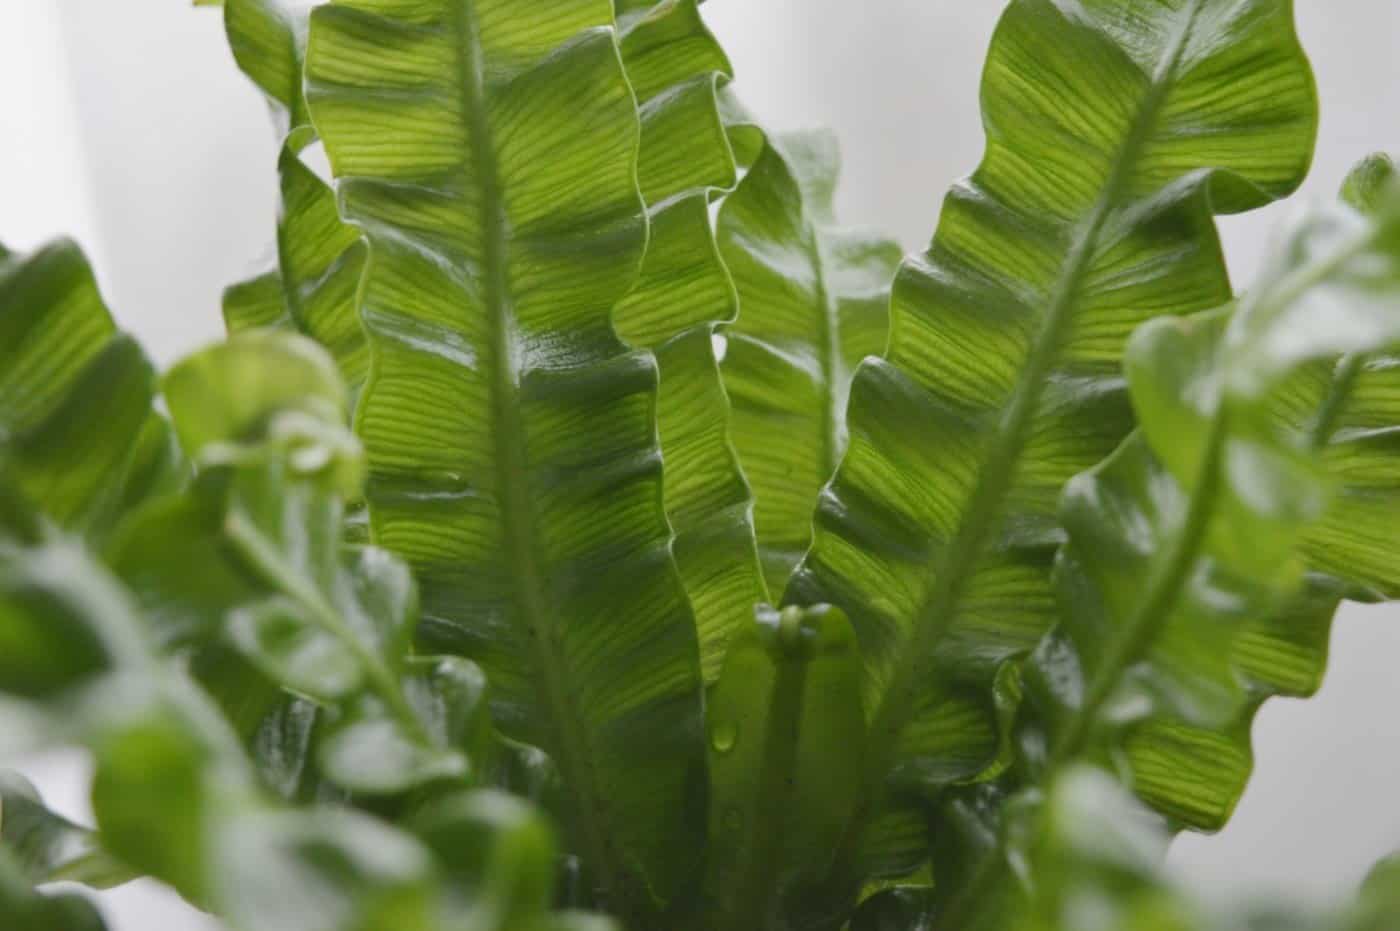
x=1111, y=142
x=52, y=324
x=814, y=303
x=510, y=435
x=321, y=261
x=256, y=304
x=786, y=731
x=684, y=291
x=319, y=258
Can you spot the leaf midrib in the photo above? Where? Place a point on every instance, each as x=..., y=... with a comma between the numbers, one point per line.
x=954, y=567
x=829, y=354
x=570, y=746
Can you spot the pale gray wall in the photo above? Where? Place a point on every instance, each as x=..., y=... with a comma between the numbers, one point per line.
x=126, y=124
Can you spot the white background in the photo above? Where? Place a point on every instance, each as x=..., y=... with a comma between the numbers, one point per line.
x=126, y=125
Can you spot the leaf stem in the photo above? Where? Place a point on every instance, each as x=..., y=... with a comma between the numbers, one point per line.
x=273, y=567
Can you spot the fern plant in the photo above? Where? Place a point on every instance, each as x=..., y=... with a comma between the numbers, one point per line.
x=581, y=529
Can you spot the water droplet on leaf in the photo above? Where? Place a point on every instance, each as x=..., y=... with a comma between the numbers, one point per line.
x=723, y=736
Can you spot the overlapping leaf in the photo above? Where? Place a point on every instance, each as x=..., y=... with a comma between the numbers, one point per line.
x=488, y=150
x=27, y=910
x=250, y=561
x=1185, y=586
x=674, y=65
x=1115, y=131
x=319, y=258
x=814, y=299
x=175, y=797
x=1184, y=578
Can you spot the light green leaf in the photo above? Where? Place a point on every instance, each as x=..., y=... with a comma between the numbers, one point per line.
x=26, y=910
x=268, y=40
x=512, y=451
x=319, y=258
x=674, y=65
x=256, y=303
x=815, y=303
x=1111, y=142
x=786, y=732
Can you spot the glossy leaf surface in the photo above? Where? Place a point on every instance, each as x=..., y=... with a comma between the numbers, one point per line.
x=319, y=258
x=1111, y=142
x=1185, y=593
x=47, y=846
x=814, y=301
x=512, y=449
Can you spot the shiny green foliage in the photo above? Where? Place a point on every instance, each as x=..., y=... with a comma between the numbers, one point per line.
x=1109, y=149
x=439, y=596
x=319, y=258
x=815, y=299
x=510, y=434
x=683, y=292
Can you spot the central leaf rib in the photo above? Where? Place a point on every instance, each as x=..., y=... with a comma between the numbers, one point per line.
x=954, y=570
x=1003, y=377
x=512, y=463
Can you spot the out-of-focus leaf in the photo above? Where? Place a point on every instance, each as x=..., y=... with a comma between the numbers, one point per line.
x=1115, y=132
x=261, y=531
x=1186, y=594
x=47, y=846
x=488, y=150
x=901, y=908
x=319, y=258
x=786, y=734
x=814, y=301
x=78, y=435
x=26, y=910
x=264, y=388
x=684, y=292
x=1097, y=858
x=276, y=636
